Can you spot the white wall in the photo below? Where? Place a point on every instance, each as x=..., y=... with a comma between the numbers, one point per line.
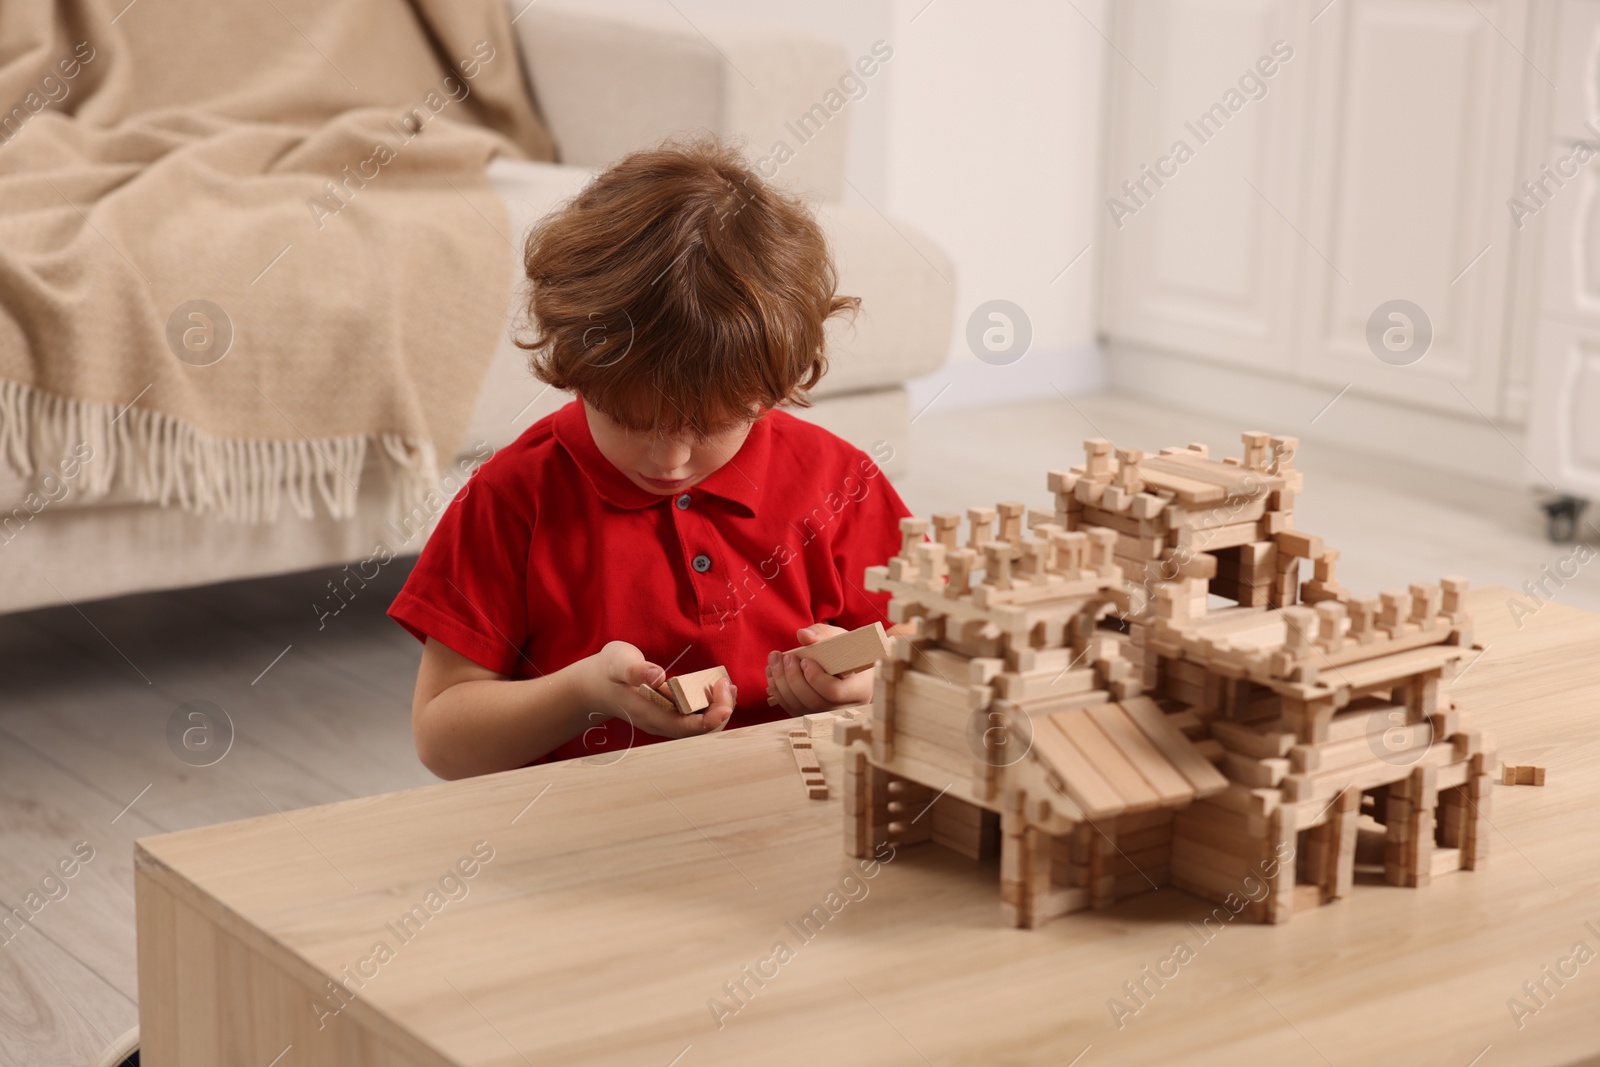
x=994, y=151
x=983, y=132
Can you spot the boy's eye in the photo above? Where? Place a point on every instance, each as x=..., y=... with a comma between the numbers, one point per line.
x=697, y=437
x=722, y=431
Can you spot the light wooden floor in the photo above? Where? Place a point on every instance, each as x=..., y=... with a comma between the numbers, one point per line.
x=321, y=715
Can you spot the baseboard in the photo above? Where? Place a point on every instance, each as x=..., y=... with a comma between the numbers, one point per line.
x=969, y=383
x=1468, y=446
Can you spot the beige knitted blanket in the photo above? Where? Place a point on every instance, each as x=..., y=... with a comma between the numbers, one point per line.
x=246, y=246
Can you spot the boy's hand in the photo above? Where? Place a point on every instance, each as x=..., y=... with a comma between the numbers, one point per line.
x=802, y=686
x=611, y=684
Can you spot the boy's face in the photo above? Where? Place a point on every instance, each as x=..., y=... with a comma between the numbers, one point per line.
x=663, y=465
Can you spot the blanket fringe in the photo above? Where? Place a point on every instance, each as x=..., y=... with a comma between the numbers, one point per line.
x=164, y=461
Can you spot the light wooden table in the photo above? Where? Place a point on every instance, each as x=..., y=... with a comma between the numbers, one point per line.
x=620, y=899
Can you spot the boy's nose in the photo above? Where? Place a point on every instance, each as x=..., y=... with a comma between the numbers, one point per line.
x=670, y=455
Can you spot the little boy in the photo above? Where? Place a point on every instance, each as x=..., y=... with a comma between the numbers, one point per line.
x=669, y=519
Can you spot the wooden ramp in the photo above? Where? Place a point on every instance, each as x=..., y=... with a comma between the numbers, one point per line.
x=1117, y=758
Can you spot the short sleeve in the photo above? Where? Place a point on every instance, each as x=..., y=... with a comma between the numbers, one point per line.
x=468, y=588
x=869, y=539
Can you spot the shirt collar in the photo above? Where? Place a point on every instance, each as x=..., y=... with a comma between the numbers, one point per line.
x=739, y=481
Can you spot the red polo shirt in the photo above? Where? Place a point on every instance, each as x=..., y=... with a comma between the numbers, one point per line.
x=549, y=551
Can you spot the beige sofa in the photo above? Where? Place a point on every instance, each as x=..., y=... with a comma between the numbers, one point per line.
x=607, y=79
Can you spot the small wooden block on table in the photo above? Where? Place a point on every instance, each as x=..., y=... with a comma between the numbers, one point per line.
x=805, y=757
x=1521, y=774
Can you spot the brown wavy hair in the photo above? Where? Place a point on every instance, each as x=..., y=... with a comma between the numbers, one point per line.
x=680, y=293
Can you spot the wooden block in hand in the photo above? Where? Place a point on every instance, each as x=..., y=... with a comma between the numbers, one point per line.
x=845, y=654
x=692, y=692
x=657, y=696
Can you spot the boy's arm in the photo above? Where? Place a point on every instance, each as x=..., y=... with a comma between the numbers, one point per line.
x=468, y=720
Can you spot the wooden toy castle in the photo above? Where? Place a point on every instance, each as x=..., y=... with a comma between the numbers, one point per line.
x=1071, y=700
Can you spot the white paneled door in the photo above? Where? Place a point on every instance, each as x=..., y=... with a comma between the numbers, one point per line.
x=1414, y=117
x=1564, y=411
x=1564, y=434
x=1203, y=153
x=1440, y=153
